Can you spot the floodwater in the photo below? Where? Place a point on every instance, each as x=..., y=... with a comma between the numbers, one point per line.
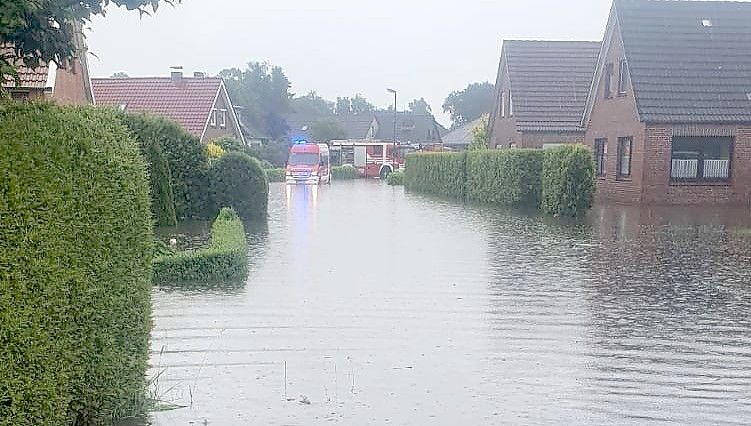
x=369, y=305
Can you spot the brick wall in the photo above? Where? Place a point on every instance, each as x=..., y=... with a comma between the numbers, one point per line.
x=539, y=139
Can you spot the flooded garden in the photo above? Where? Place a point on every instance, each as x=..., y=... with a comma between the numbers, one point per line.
x=368, y=305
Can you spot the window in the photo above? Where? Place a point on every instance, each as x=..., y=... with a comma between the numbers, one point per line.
x=624, y=157
x=222, y=118
x=510, y=104
x=701, y=159
x=212, y=118
x=601, y=154
x=622, y=70
x=503, y=104
x=608, y=81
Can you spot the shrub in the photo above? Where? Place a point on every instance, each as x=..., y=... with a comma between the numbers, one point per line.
x=345, y=172
x=509, y=177
x=214, y=151
x=238, y=181
x=567, y=180
x=224, y=259
x=76, y=252
x=229, y=144
x=395, y=178
x=276, y=175
x=145, y=129
x=436, y=173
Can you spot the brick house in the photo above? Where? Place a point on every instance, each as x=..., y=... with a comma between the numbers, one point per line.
x=200, y=104
x=668, y=116
x=541, y=91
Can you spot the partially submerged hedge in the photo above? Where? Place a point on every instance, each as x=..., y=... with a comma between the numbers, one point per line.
x=395, y=178
x=509, y=177
x=345, y=172
x=437, y=173
x=276, y=175
x=75, y=267
x=238, y=181
x=568, y=183
x=224, y=259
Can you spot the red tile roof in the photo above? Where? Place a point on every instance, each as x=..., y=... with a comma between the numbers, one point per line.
x=188, y=102
x=29, y=78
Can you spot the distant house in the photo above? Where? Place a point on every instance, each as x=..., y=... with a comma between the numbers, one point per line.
x=541, y=91
x=461, y=137
x=668, y=117
x=199, y=104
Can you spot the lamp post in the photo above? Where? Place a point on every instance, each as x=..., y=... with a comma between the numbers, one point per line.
x=394, y=153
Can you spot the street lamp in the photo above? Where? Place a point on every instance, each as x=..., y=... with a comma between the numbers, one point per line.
x=393, y=154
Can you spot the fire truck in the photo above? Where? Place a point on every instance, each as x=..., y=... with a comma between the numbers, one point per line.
x=371, y=158
x=308, y=163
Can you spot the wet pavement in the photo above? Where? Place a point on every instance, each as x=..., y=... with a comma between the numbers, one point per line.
x=366, y=305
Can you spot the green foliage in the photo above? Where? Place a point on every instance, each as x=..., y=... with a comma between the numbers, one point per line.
x=272, y=154
x=226, y=257
x=436, y=173
x=76, y=252
x=355, y=105
x=568, y=184
x=345, y=172
x=238, y=181
x=229, y=143
x=276, y=175
x=420, y=106
x=508, y=177
x=469, y=104
x=146, y=130
x=395, y=178
x=312, y=105
x=25, y=24
x=327, y=130
x=480, y=138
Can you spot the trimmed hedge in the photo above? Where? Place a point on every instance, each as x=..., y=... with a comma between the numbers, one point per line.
x=395, y=178
x=345, y=172
x=438, y=173
x=146, y=130
x=276, y=175
x=75, y=267
x=509, y=177
x=238, y=181
x=224, y=259
x=568, y=184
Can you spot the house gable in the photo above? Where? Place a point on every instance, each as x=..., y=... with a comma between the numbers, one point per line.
x=223, y=107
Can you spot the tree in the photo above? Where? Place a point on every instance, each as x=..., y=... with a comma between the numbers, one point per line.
x=45, y=31
x=469, y=104
x=420, y=106
x=343, y=106
x=325, y=131
x=480, y=139
x=360, y=105
x=263, y=91
x=120, y=74
x=312, y=105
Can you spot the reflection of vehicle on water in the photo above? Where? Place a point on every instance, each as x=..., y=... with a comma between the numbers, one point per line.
x=370, y=158
x=308, y=163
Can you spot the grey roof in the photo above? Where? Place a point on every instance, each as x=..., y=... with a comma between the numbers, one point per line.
x=462, y=135
x=411, y=127
x=682, y=70
x=356, y=125
x=549, y=82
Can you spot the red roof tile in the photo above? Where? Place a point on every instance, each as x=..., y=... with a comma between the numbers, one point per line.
x=29, y=78
x=189, y=102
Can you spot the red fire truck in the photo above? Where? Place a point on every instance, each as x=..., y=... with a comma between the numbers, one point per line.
x=308, y=163
x=372, y=159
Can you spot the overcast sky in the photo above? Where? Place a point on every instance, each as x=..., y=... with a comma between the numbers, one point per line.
x=339, y=48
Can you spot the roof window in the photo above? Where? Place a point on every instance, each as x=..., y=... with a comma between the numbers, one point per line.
x=706, y=23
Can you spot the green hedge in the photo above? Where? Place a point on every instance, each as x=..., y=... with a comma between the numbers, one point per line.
x=345, y=172
x=395, y=178
x=509, y=177
x=147, y=131
x=276, y=175
x=238, y=181
x=224, y=259
x=568, y=184
x=437, y=173
x=75, y=267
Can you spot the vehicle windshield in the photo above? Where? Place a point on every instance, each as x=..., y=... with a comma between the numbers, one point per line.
x=303, y=159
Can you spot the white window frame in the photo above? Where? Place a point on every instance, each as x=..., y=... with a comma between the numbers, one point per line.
x=510, y=104
x=622, y=70
x=223, y=118
x=212, y=118
x=503, y=104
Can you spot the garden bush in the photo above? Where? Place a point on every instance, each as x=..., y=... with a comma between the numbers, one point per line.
x=567, y=180
x=224, y=259
x=437, y=173
x=75, y=267
x=345, y=172
x=276, y=175
x=214, y=151
x=238, y=181
x=395, y=178
x=146, y=131
x=509, y=177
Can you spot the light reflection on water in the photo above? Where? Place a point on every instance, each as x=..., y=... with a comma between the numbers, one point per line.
x=386, y=307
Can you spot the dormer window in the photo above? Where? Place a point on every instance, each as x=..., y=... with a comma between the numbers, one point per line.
x=707, y=23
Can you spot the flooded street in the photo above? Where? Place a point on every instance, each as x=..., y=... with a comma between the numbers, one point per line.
x=369, y=305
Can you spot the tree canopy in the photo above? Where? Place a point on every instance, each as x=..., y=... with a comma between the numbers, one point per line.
x=327, y=130
x=420, y=106
x=44, y=31
x=469, y=104
x=355, y=105
x=312, y=105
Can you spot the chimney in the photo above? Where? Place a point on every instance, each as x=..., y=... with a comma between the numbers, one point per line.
x=176, y=73
x=199, y=74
